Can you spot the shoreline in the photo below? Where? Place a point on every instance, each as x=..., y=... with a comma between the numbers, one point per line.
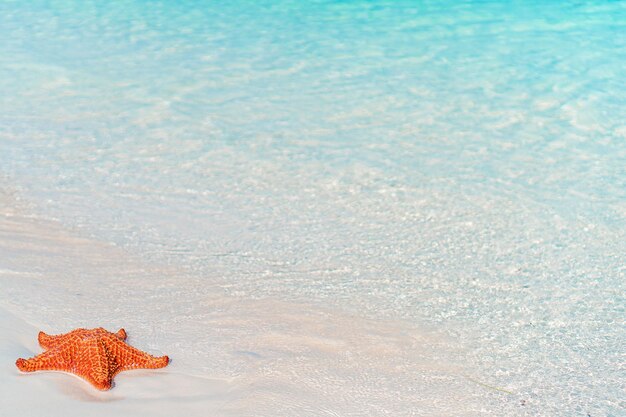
x=232, y=355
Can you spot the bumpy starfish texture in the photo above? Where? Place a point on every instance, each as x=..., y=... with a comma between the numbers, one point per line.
x=96, y=355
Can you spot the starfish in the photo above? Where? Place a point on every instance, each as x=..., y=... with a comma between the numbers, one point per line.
x=95, y=355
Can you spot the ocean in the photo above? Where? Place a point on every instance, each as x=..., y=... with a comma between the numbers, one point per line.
x=453, y=167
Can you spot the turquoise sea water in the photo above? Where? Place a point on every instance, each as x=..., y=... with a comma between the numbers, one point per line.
x=460, y=164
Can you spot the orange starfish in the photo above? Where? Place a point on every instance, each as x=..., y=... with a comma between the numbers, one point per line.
x=96, y=355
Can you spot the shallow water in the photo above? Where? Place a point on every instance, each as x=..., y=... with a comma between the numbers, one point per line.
x=461, y=165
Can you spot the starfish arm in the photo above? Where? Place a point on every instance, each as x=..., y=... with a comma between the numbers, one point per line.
x=132, y=358
x=121, y=334
x=45, y=340
x=48, y=341
x=96, y=364
x=51, y=360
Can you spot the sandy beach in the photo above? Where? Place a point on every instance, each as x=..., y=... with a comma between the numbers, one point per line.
x=230, y=356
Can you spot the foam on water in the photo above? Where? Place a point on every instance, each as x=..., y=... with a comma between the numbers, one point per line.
x=457, y=164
